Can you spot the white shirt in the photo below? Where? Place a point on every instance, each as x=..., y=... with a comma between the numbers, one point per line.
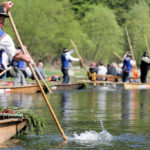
x=102, y=70
x=4, y=60
x=7, y=44
x=68, y=56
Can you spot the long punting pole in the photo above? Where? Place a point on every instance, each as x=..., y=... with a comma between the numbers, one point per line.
x=147, y=44
x=117, y=56
x=80, y=56
x=5, y=70
x=39, y=73
x=38, y=82
x=130, y=46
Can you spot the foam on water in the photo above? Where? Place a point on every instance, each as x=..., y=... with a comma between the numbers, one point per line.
x=93, y=137
x=107, y=88
x=89, y=136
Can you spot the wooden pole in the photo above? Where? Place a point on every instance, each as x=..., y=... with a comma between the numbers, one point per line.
x=38, y=82
x=5, y=70
x=130, y=46
x=117, y=56
x=84, y=65
x=39, y=73
x=147, y=44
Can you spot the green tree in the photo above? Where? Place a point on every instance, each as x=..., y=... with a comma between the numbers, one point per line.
x=46, y=27
x=138, y=24
x=102, y=29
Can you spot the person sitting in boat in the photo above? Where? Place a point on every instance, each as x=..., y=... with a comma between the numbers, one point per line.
x=40, y=67
x=144, y=66
x=3, y=63
x=18, y=67
x=66, y=60
x=112, y=70
x=101, y=70
x=92, y=72
x=128, y=63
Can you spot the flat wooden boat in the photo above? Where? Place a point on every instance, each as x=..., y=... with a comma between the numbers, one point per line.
x=9, y=127
x=70, y=86
x=20, y=89
x=137, y=85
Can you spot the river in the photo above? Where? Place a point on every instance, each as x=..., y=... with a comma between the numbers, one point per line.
x=100, y=118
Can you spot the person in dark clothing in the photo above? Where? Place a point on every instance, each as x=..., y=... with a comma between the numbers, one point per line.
x=145, y=62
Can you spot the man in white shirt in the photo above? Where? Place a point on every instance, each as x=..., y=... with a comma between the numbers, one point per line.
x=6, y=41
x=66, y=60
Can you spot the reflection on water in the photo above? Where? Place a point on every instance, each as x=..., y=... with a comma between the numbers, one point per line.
x=124, y=117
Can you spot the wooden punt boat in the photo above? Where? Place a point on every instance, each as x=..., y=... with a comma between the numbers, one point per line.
x=70, y=86
x=7, y=87
x=128, y=86
x=20, y=89
x=9, y=127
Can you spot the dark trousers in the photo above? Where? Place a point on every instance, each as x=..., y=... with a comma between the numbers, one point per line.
x=144, y=72
x=125, y=77
x=66, y=77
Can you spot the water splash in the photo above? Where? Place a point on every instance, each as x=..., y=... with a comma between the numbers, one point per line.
x=92, y=136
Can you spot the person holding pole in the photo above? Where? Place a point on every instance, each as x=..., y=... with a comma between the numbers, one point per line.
x=128, y=63
x=66, y=60
x=6, y=41
x=144, y=66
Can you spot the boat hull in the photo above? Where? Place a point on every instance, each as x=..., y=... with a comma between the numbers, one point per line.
x=70, y=86
x=9, y=127
x=20, y=89
x=128, y=86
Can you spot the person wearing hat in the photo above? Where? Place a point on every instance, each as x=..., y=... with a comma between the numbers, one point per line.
x=128, y=63
x=6, y=42
x=144, y=66
x=66, y=60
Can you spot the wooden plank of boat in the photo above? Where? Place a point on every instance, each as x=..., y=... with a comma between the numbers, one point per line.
x=9, y=127
x=70, y=86
x=19, y=89
x=137, y=85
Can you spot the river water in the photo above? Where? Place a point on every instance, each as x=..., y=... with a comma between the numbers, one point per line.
x=100, y=118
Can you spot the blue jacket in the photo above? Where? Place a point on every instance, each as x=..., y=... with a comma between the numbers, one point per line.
x=126, y=65
x=65, y=62
x=2, y=33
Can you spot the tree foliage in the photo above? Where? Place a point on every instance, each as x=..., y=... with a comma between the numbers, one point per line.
x=96, y=26
x=138, y=24
x=104, y=32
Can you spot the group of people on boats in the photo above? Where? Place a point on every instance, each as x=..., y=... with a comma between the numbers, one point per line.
x=127, y=70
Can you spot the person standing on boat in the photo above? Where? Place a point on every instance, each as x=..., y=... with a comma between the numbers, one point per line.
x=18, y=67
x=66, y=60
x=6, y=41
x=145, y=62
x=128, y=63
